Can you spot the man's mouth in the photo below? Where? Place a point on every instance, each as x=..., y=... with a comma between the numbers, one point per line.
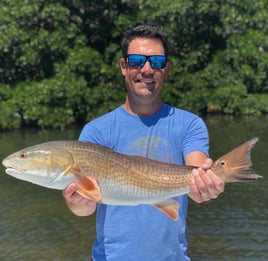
x=146, y=81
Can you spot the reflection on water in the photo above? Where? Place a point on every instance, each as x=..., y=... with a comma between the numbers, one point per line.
x=35, y=224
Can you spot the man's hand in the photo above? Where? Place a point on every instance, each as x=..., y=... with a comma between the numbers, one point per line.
x=78, y=204
x=205, y=184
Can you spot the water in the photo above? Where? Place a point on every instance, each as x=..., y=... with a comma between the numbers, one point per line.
x=35, y=223
x=233, y=227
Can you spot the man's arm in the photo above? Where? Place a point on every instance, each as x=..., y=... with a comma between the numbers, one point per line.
x=205, y=184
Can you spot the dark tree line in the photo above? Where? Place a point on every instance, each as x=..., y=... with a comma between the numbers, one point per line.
x=60, y=59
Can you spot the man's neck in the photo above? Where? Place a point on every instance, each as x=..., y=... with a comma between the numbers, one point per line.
x=142, y=109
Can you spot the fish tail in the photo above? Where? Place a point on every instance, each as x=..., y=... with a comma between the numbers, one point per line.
x=237, y=163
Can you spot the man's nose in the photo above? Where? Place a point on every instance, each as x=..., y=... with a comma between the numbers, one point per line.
x=147, y=67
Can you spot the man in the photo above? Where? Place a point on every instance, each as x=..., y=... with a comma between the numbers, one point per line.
x=144, y=125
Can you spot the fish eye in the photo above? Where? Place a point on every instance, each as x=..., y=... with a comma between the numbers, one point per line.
x=23, y=155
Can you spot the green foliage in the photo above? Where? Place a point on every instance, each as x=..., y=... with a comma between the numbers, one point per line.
x=51, y=102
x=36, y=34
x=60, y=59
x=9, y=119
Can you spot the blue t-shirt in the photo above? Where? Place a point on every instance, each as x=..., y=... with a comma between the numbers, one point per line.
x=143, y=233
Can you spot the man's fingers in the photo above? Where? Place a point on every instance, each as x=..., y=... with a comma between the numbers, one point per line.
x=205, y=185
x=216, y=184
x=69, y=190
x=207, y=164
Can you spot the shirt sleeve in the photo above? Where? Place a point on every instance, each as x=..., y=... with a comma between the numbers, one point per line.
x=196, y=137
x=91, y=134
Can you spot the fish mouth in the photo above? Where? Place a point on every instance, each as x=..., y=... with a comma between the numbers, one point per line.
x=6, y=163
x=48, y=181
x=13, y=172
x=10, y=168
x=44, y=181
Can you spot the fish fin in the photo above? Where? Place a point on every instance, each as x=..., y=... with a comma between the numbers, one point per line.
x=88, y=186
x=170, y=207
x=238, y=163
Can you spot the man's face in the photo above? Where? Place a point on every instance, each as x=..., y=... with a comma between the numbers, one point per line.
x=144, y=83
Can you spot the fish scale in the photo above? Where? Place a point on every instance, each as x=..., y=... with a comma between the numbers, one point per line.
x=127, y=169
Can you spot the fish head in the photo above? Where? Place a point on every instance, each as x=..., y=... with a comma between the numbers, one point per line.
x=44, y=164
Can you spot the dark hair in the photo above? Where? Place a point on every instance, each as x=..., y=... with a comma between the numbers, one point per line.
x=144, y=31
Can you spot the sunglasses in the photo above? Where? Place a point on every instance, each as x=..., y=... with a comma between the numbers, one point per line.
x=137, y=61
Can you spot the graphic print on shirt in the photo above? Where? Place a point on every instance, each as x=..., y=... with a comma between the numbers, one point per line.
x=154, y=147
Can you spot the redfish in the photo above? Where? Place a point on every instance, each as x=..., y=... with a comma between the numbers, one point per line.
x=112, y=178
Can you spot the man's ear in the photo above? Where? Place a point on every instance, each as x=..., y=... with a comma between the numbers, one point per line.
x=123, y=66
x=167, y=68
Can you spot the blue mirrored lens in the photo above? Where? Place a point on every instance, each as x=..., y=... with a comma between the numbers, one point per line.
x=158, y=61
x=137, y=61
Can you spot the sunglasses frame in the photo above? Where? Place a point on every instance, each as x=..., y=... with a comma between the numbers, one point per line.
x=147, y=58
